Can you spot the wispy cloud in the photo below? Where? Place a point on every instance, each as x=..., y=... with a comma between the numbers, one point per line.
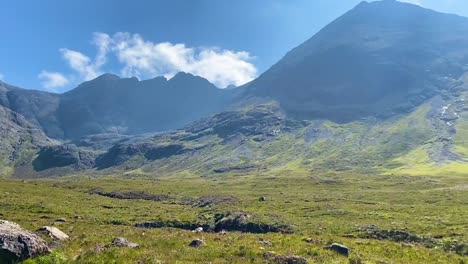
x=2, y=76
x=52, y=81
x=140, y=58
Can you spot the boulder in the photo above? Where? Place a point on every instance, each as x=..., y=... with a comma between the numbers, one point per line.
x=17, y=244
x=54, y=233
x=197, y=243
x=341, y=249
x=122, y=242
x=262, y=199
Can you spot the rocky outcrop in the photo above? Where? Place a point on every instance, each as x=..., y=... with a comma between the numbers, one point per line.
x=63, y=156
x=232, y=221
x=122, y=152
x=17, y=244
x=261, y=121
x=244, y=222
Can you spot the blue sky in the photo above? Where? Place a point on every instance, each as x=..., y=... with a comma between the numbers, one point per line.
x=54, y=44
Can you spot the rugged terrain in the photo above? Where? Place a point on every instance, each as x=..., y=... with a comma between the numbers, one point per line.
x=359, y=137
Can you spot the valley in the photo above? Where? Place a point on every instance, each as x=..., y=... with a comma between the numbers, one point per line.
x=352, y=148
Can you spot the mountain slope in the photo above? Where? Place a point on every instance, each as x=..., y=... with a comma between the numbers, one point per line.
x=378, y=59
x=19, y=141
x=261, y=139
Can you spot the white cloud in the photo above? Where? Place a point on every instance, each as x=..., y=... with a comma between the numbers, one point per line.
x=146, y=59
x=81, y=64
x=52, y=80
x=416, y=2
x=2, y=76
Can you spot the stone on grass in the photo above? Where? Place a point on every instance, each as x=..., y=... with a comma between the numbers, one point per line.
x=197, y=243
x=198, y=230
x=265, y=243
x=269, y=254
x=341, y=249
x=54, y=233
x=17, y=244
x=122, y=242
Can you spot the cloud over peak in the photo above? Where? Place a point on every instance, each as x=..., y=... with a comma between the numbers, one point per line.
x=52, y=80
x=141, y=58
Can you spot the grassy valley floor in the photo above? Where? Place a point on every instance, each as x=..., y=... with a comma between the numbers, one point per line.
x=325, y=208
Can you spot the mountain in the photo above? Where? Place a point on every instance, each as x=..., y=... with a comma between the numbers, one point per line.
x=110, y=104
x=379, y=59
x=382, y=89
x=129, y=106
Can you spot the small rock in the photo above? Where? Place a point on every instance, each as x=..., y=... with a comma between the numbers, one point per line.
x=312, y=241
x=54, y=233
x=122, y=242
x=197, y=243
x=17, y=244
x=289, y=259
x=265, y=243
x=341, y=249
x=198, y=230
x=262, y=199
x=269, y=254
x=99, y=249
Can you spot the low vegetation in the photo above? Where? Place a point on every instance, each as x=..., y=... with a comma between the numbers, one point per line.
x=381, y=219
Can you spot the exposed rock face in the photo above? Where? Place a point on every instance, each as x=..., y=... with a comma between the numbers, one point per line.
x=18, y=244
x=54, y=233
x=262, y=120
x=122, y=152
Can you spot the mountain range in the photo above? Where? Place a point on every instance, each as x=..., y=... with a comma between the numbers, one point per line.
x=380, y=89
